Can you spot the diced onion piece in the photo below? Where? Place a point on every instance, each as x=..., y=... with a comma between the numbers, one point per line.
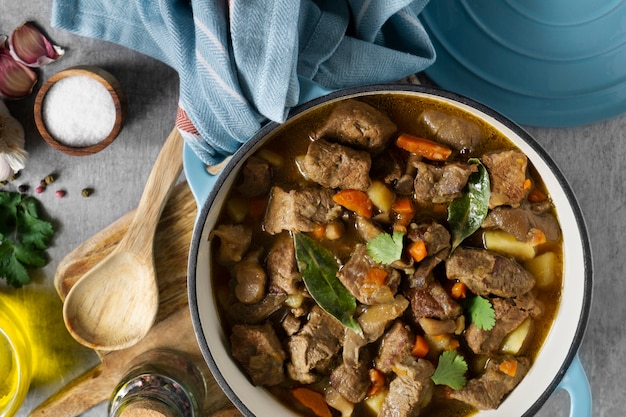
x=506, y=243
x=375, y=402
x=514, y=341
x=273, y=158
x=334, y=230
x=543, y=268
x=381, y=196
x=237, y=208
x=338, y=402
x=294, y=300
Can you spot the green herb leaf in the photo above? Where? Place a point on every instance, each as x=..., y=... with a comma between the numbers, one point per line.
x=24, y=237
x=450, y=370
x=467, y=213
x=481, y=312
x=386, y=248
x=319, y=273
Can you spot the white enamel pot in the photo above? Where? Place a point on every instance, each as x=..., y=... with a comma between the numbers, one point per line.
x=556, y=366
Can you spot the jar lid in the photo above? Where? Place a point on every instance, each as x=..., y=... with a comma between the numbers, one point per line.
x=147, y=408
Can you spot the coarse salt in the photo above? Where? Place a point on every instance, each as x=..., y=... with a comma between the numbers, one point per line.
x=79, y=111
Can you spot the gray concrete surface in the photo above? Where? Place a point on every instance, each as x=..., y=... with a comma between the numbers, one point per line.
x=591, y=158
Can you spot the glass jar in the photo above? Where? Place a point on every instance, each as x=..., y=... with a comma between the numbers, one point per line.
x=15, y=359
x=159, y=383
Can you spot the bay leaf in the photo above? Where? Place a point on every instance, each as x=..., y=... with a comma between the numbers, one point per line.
x=319, y=268
x=467, y=213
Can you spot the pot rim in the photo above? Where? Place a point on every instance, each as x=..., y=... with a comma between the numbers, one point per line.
x=237, y=158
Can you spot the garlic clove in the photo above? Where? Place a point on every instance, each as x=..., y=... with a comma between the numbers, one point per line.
x=6, y=171
x=16, y=79
x=31, y=47
x=13, y=156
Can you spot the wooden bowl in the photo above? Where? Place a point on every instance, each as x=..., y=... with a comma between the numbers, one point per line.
x=89, y=146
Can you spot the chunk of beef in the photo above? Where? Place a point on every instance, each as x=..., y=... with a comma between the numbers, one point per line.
x=432, y=301
x=282, y=267
x=299, y=210
x=313, y=350
x=441, y=184
x=256, y=177
x=366, y=228
x=376, y=318
x=405, y=184
x=395, y=346
x=358, y=125
x=352, y=382
x=509, y=314
x=507, y=172
x=355, y=276
x=235, y=241
x=487, y=391
x=410, y=391
x=291, y=324
x=336, y=166
x=256, y=313
x=388, y=166
x=523, y=222
x=485, y=272
x=250, y=278
x=434, y=235
x=258, y=350
x=456, y=132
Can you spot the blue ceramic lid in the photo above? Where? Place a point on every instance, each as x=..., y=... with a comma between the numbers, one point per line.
x=551, y=63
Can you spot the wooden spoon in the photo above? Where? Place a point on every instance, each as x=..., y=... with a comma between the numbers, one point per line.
x=115, y=303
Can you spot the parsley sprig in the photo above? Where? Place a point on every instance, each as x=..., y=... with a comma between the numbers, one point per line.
x=451, y=370
x=481, y=312
x=386, y=248
x=24, y=237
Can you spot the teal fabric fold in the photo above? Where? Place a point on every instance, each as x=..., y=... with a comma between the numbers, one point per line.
x=239, y=61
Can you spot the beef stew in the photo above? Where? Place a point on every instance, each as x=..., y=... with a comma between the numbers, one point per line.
x=377, y=175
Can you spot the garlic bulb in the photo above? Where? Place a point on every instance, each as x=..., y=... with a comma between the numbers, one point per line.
x=13, y=156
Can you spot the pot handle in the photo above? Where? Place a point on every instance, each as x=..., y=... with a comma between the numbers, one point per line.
x=200, y=181
x=575, y=382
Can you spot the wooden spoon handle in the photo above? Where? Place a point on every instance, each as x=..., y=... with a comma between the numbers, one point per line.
x=163, y=176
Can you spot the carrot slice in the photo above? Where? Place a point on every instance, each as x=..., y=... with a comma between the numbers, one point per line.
x=313, y=400
x=508, y=367
x=458, y=291
x=376, y=277
x=420, y=347
x=355, y=200
x=423, y=147
x=377, y=380
x=417, y=250
x=403, y=205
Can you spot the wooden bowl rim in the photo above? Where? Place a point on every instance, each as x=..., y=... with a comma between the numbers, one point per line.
x=114, y=88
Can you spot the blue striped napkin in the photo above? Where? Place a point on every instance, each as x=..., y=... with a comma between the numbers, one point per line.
x=239, y=61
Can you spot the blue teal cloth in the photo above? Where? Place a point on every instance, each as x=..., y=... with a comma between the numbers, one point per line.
x=239, y=61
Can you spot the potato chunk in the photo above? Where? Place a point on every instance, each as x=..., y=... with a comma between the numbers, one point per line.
x=506, y=243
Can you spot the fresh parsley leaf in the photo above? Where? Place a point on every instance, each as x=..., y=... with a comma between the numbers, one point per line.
x=481, y=312
x=386, y=248
x=467, y=213
x=24, y=237
x=319, y=273
x=450, y=370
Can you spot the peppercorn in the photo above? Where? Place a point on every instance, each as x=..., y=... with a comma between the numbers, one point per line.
x=40, y=189
x=60, y=193
x=86, y=192
x=23, y=188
